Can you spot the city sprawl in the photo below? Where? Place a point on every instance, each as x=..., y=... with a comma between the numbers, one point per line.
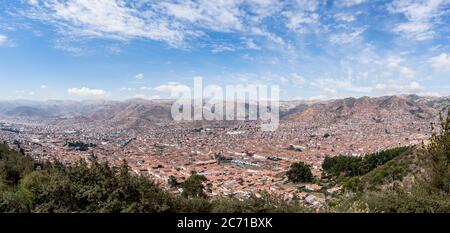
x=236, y=157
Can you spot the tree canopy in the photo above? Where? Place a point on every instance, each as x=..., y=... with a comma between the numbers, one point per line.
x=300, y=172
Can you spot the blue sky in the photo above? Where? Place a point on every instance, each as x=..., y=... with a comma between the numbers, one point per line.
x=314, y=49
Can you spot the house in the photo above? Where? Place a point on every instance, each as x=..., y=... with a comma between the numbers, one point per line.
x=313, y=187
x=297, y=148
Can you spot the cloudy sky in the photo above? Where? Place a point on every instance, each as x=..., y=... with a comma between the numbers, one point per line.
x=312, y=49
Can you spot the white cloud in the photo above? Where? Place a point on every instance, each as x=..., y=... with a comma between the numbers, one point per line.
x=416, y=30
x=219, y=48
x=3, y=39
x=84, y=91
x=147, y=97
x=407, y=72
x=223, y=16
x=144, y=88
x=319, y=97
x=414, y=86
x=167, y=21
x=250, y=44
x=296, y=20
x=33, y=2
x=421, y=17
x=298, y=79
x=105, y=19
x=139, y=76
x=215, y=15
x=171, y=87
x=392, y=87
x=302, y=16
x=441, y=62
x=335, y=86
x=44, y=86
x=417, y=10
x=70, y=47
x=346, y=38
x=349, y=3
x=345, y=17
x=127, y=89
x=393, y=65
x=270, y=36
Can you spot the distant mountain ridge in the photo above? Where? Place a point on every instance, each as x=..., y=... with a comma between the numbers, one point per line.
x=140, y=111
x=411, y=106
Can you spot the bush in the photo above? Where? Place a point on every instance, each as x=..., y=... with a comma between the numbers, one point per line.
x=353, y=184
x=193, y=186
x=300, y=172
x=13, y=165
x=391, y=172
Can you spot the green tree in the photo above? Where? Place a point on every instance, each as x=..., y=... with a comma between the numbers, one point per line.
x=437, y=156
x=13, y=165
x=172, y=181
x=300, y=172
x=193, y=186
x=353, y=184
x=356, y=166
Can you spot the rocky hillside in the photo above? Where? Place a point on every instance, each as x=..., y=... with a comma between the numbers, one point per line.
x=142, y=112
x=380, y=109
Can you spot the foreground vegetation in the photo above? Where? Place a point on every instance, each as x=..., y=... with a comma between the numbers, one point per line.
x=101, y=188
x=414, y=182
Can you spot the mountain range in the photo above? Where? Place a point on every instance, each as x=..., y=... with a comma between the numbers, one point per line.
x=140, y=111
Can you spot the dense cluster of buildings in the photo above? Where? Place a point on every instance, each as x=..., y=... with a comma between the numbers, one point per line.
x=236, y=158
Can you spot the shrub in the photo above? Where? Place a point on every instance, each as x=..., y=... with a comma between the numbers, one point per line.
x=300, y=172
